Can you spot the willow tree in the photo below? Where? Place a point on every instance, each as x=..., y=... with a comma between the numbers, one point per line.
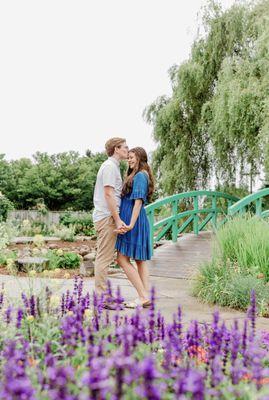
x=214, y=124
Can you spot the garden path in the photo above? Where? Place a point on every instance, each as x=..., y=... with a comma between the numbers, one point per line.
x=172, y=269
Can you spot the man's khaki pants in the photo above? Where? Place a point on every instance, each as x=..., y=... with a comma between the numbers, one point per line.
x=106, y=239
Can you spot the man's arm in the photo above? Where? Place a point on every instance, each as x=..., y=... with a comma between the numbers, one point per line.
x=112, y=205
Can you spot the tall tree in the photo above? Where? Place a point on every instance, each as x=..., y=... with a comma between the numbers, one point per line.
x=215, y=123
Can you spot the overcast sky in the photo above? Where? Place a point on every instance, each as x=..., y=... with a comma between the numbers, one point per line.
x=74, y=73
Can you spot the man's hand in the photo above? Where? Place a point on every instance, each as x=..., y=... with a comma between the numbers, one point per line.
x=120, y=224
x=122, y=230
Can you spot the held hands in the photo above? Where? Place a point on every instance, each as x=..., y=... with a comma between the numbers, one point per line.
x=122, y=228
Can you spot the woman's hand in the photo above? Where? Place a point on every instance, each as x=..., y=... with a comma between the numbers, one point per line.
x=129, y=227
x=124, y=229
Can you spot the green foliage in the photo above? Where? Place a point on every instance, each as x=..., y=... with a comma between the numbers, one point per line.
x=83, y=225
x=5, y=206
x=245, y=242
x=64, y=260
x=69, y=261
x=240, y=263
x=65, y=232
x=7, y=232
x=6, y=256
x=220, y=284
x=215, y=125
x=58, y=181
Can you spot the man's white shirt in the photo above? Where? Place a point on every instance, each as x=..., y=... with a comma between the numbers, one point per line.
x=108, y=175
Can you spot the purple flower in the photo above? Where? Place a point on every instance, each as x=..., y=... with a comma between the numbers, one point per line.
x=252, y=314
x=190, y=381
x=15, y=383
x=58, y=380
x=8, y=315
x=19, y=318
x=151, y=388
x=1, y=299
x=97, y=379
x=32, y=306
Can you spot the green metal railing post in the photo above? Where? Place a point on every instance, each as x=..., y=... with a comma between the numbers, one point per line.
x=195, y=217
x=258, y=204
x=151, y=225
x=174, y=225
x=214, y=211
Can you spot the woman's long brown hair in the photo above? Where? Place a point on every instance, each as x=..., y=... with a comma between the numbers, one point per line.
x=143, y=165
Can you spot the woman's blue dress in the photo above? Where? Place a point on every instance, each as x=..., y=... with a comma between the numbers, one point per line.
x=135, y=243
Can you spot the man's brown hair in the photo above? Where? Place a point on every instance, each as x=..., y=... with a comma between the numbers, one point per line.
x=112, y=143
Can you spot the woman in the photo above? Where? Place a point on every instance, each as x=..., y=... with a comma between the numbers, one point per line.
x=134, y=240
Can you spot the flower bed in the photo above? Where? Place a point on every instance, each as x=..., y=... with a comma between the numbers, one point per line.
x=70, y=347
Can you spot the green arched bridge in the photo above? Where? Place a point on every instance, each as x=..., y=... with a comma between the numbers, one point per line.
x=189, y=219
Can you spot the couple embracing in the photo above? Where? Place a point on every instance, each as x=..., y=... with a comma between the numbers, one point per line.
x=120, y=218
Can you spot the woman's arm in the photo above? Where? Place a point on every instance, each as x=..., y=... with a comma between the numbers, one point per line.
x=135, y=213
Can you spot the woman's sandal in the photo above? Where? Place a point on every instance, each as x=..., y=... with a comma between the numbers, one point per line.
x=137, y=303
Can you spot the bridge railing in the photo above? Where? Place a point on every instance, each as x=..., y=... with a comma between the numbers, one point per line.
x=252, y=202
x=199, y=208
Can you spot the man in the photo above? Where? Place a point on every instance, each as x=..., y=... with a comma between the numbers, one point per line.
x=107, y=197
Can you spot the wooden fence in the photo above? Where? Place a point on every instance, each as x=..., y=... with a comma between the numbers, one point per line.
x=50, y=218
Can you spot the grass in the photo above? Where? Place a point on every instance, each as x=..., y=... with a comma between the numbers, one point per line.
x=240, y=263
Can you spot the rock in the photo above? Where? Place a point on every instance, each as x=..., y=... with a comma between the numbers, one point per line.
x=32, y=263
x=86, y=269
x=83, y=252
x=89, y=257
x=26, y=252
x=51, y=239
x=53, y=246
x=22, y=240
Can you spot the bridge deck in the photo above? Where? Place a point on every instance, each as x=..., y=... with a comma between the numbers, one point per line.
x=181, y=259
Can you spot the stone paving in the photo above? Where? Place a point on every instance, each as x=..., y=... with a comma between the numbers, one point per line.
x=171, y=290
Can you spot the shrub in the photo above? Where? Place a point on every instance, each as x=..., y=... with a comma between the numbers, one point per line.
x=65, y=233
x=5, y=206
x=69, y=261
x=220, y=284
x=7, y=232
x=60, y=259
x=83, y=225
x=38, y=241
x=210, y=285
x=239, y=289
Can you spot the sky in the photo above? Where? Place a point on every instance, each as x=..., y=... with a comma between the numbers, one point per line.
x=75, y=73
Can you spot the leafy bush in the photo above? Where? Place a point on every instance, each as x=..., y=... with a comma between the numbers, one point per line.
x=69, y=261
x=5, y=206
x=65, y=232
x=6, y=255
x=239, y=289
x=7, y=232
x=221, y=284
x=64, y=260
x=83, y=225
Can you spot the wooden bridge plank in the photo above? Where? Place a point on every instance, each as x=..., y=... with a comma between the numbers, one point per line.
x=182, y=259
